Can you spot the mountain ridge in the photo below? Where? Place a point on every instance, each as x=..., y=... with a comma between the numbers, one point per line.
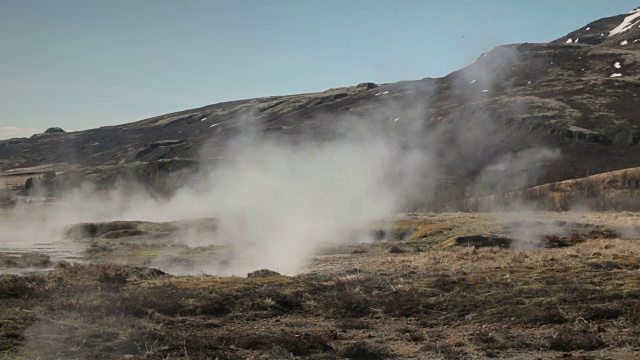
x=580, y=97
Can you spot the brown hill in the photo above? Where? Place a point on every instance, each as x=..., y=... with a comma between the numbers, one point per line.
x=582, y=98
x=616, y=190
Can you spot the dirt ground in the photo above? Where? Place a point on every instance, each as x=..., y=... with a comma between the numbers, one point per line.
x=432, y=286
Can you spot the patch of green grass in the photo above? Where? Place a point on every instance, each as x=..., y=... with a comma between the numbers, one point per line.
x=11, y=355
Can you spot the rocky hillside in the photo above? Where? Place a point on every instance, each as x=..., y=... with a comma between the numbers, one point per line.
x=620, y=31
x=579, y=94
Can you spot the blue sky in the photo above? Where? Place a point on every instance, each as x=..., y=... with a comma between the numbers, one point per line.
x=88, y=63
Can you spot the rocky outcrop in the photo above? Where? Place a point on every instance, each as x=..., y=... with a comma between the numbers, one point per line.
x=159, y=149
x=55, y=130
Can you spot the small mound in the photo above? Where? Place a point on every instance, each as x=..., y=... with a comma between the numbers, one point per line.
x=368, y=85
x=364, y=350
x=263, y=273
x=96, y=230
x=55, y=130
x=479, y=241
x=117, y=234
x=23, y=261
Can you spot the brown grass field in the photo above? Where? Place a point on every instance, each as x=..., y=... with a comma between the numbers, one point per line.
x=431, y=288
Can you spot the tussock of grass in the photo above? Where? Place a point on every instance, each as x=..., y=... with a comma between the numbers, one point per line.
x=296, y=344
x=353, y=324
x=28, y=260
x=21, y=286
x=364, y=350
x=570, y=338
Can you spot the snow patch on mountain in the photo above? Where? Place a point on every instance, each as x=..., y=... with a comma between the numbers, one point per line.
x=627, y=23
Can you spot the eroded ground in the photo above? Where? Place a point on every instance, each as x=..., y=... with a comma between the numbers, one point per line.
x=445, y=286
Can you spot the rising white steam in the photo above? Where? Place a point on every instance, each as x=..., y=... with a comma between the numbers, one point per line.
x=277, y=200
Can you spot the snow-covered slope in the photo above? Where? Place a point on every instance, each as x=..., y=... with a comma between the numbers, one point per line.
x=620, y=31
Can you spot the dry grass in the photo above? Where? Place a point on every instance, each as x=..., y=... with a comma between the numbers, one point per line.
x=26, y=260
x=612, y=191
x=442, y=302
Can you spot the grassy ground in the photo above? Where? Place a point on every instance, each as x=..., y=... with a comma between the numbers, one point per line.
x=419, y=296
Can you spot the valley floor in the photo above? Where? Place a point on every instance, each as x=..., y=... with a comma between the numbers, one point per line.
x=434, y=286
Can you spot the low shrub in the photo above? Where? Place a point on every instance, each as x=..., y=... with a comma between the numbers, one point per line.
x=364, y=350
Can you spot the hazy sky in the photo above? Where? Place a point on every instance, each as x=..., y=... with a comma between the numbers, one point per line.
x=87, y=63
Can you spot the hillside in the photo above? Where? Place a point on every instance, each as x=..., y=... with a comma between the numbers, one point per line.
x=615, y=190
x=580, y=97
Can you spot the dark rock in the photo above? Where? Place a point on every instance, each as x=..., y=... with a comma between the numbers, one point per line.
x=479, y=241
x=164, y=145
x=55, y=130
x=368, y=85
x=118, y=234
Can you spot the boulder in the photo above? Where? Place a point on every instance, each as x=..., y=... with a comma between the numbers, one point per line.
x=55, y=130
x=368, y=85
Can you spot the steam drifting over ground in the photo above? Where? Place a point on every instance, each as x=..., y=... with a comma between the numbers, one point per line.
x=277, y=200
